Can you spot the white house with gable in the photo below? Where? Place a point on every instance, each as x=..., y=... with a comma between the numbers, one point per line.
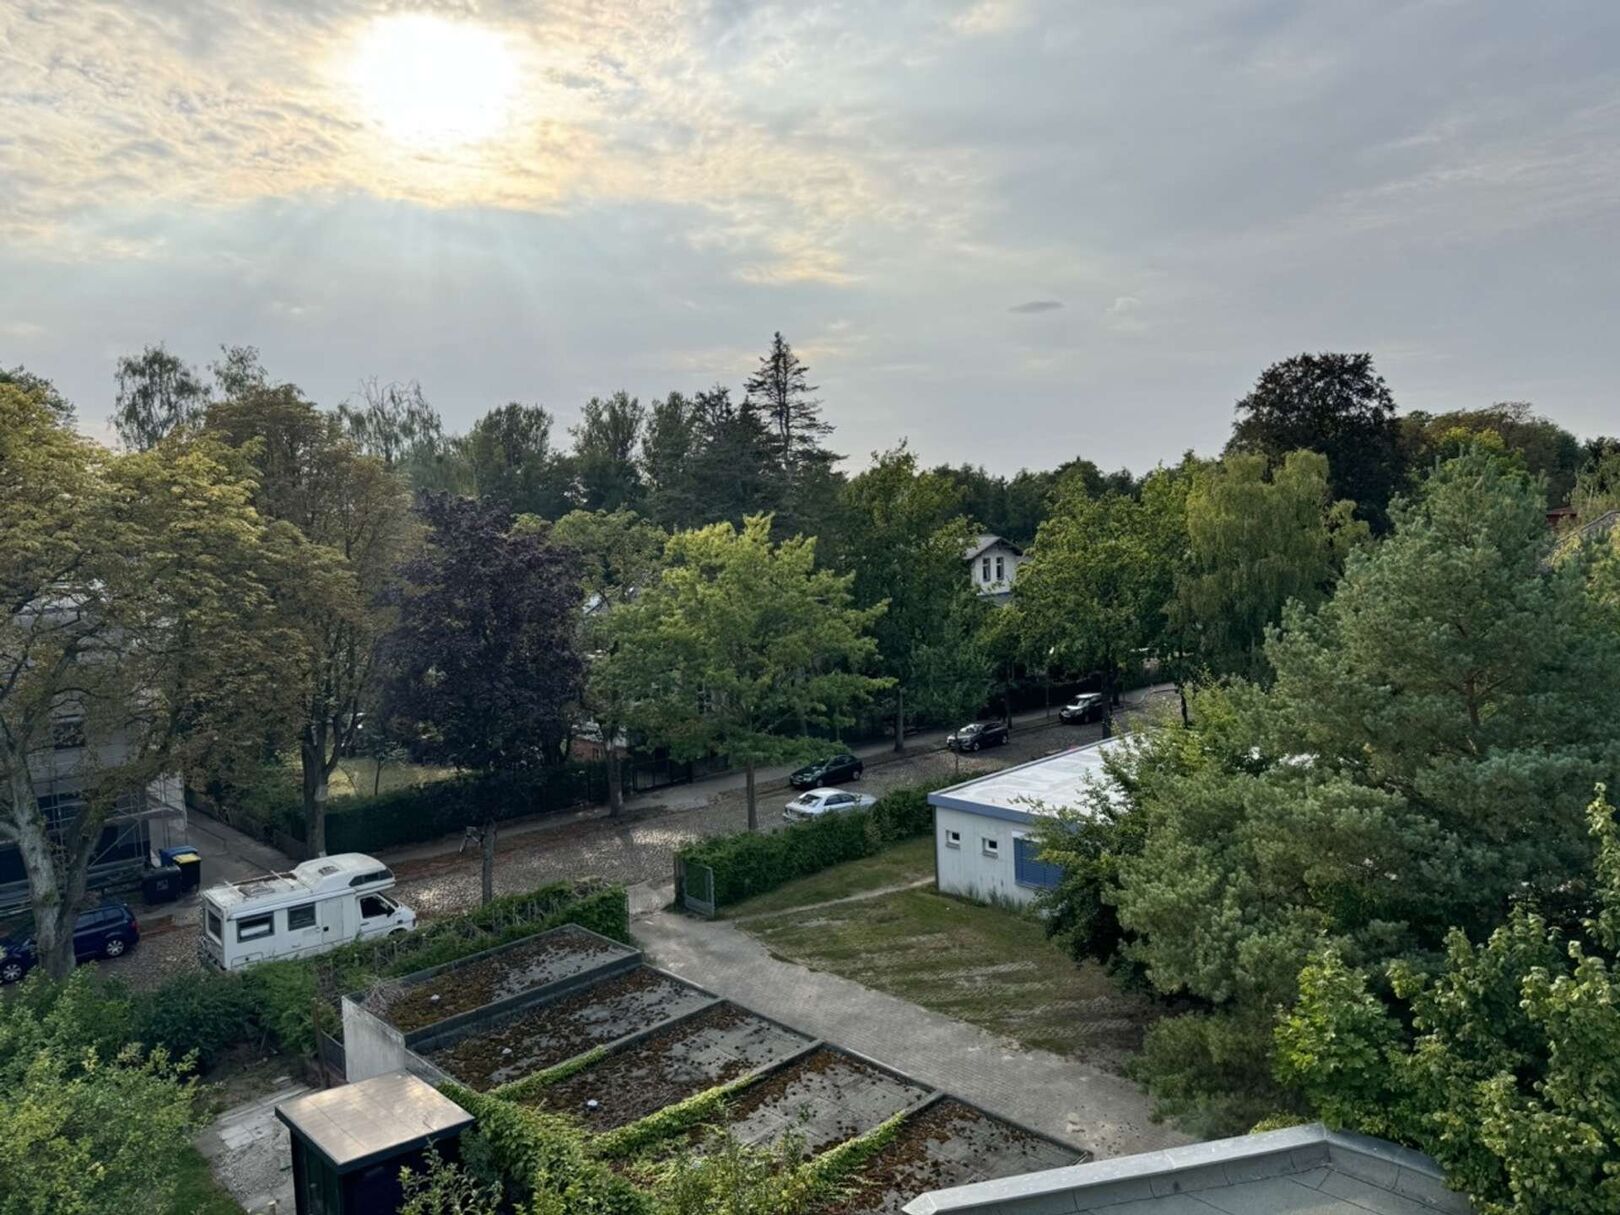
x=984, y=829
x=993, y=564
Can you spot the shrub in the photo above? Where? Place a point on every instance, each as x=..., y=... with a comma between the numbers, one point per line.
x=750, y=863
x=206, y=1013
x=285, y=995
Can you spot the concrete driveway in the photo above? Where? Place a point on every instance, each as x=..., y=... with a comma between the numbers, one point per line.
x=1063, y=1097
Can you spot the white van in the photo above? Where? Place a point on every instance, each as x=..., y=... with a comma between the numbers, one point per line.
x=320, y=905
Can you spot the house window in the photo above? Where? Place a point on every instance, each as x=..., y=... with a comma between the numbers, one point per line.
x=953, y=839
x=1001, y=572
x=1029, y=870
x=989, y=846
x=255, y=926
x=984, y=570
x=301, y=917
x=67, y=733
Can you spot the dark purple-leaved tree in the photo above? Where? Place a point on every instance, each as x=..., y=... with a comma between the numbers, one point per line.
x=486, y=652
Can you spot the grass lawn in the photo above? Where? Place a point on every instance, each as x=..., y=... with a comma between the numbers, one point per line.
x=197, y=1193
x=894, y=866
x=358, y=775
x=990, y=967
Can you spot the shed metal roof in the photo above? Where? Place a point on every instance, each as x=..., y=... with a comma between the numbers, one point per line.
x=356, y=1124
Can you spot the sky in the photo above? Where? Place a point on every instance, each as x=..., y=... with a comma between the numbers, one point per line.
x=1011, y=232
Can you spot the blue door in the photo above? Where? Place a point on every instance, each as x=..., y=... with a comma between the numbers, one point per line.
x=1029, y=871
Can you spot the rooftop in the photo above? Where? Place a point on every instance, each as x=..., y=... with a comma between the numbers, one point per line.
x=358, y=1123
x=1303, y=1170
x=1070, y=780
x=322, y=875
x=986, y=540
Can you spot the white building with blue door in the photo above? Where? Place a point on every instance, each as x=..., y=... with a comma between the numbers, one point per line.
x=984, y=829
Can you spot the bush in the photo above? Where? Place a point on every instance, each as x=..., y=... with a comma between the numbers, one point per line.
x=207, y=1013
x=750, y=863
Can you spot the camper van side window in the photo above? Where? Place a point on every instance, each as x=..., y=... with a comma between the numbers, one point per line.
x=255, y=926
x=213, y=923
x=366, y=879
x=301, y=917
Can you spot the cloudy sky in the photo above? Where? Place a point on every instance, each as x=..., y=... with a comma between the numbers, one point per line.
x=1014, y=231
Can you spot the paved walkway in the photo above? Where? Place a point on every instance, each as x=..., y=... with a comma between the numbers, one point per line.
x=1063, y=1097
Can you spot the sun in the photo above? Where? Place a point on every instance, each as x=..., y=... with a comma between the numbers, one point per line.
x=428, y=81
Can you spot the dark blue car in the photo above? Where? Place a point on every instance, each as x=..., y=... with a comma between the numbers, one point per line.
x=107, y=931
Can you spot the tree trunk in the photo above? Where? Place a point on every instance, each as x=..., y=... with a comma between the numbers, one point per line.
x=1186, y=717
x=615, y=776
x=748, y=784
x=487, y=840
x=53, y=931
x=899, y=718
x=376, y=779
x=1108, y=703
x=312, y=758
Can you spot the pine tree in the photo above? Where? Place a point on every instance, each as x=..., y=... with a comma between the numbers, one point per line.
x=782, y=393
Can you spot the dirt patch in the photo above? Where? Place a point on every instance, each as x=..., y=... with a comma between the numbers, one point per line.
x=714, y=1047
x=535, y=1039
x=532, y=963
x=948, y=1144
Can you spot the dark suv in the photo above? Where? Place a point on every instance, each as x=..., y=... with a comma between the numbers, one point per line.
x=978, y=734
x=834, y=771
x=107, y=931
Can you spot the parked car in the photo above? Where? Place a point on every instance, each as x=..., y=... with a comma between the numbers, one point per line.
x=1088, y=706
x=819, y=802
x=107, y=931
x=322, y=904
x=978, y=734
x=833, y=771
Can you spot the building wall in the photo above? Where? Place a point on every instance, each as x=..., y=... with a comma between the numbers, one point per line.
x=990, y=584
x=371, y=1047
x=966, y=869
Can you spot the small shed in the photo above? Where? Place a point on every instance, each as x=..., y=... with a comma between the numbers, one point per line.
x=985, y=844
x=349, y=1143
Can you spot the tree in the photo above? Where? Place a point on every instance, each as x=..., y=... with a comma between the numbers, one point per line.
x=1256, y=544
x=85, y=1129
x=1501, y=1065
x=355, y=516
x=395, y=423
x=141, y=614
x=21, y=378
x=618, y=554
x=780, y=389
x=740, y=645
x=238, y=371
x=510, y=459
x=1545, y=448
x=733, y=474
x=1422, y=758
x=1093, y=595
x=487, y=646
x=605, y=453
x=670, y=440
x=157, y=394
x=1336, y=404
x=446, y=1188
x=902, y=538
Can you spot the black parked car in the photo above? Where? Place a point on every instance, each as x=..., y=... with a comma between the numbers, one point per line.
x=833, y=771
x=107, y=931
x=978, y=734
x=1088, y=706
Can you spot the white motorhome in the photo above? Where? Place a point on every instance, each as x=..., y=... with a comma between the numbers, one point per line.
x=320, y=905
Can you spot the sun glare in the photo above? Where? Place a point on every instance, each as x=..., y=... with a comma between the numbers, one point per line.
x=428, y=81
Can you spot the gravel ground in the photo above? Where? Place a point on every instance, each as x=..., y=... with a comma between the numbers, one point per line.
x=640, y=847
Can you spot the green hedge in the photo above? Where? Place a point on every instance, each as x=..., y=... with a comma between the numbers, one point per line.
x=751, y=863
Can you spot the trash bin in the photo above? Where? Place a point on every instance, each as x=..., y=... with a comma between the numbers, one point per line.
x=189, y=862
x=161, y=885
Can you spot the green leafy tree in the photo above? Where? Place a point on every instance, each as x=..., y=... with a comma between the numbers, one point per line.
x=509, y=457
x=355, y=516
x=1336, y=404
x=618, y=555
x=902, y=538
x=739, y=646
x=1423, y=757
x=238, y=371
x=84, y=1128
x=605, y=444
x=158, y=393
x=1093, y=595
x=1546, y=449
x=396, y=423
x=670, y=441
x=1501, y=1065
x=1255, y=543
x=142, y=621
x=21, y=378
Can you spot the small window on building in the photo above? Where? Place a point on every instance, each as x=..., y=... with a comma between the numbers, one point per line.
x=213, y=923
x=990, y=846
x=984, y=570
x=67, y=733
x=1001, y=569
x=953, y=839
x=1028, y=868
x=255, y=926
x=301, y=917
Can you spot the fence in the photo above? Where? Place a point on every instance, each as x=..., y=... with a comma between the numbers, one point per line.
x=696, y=885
